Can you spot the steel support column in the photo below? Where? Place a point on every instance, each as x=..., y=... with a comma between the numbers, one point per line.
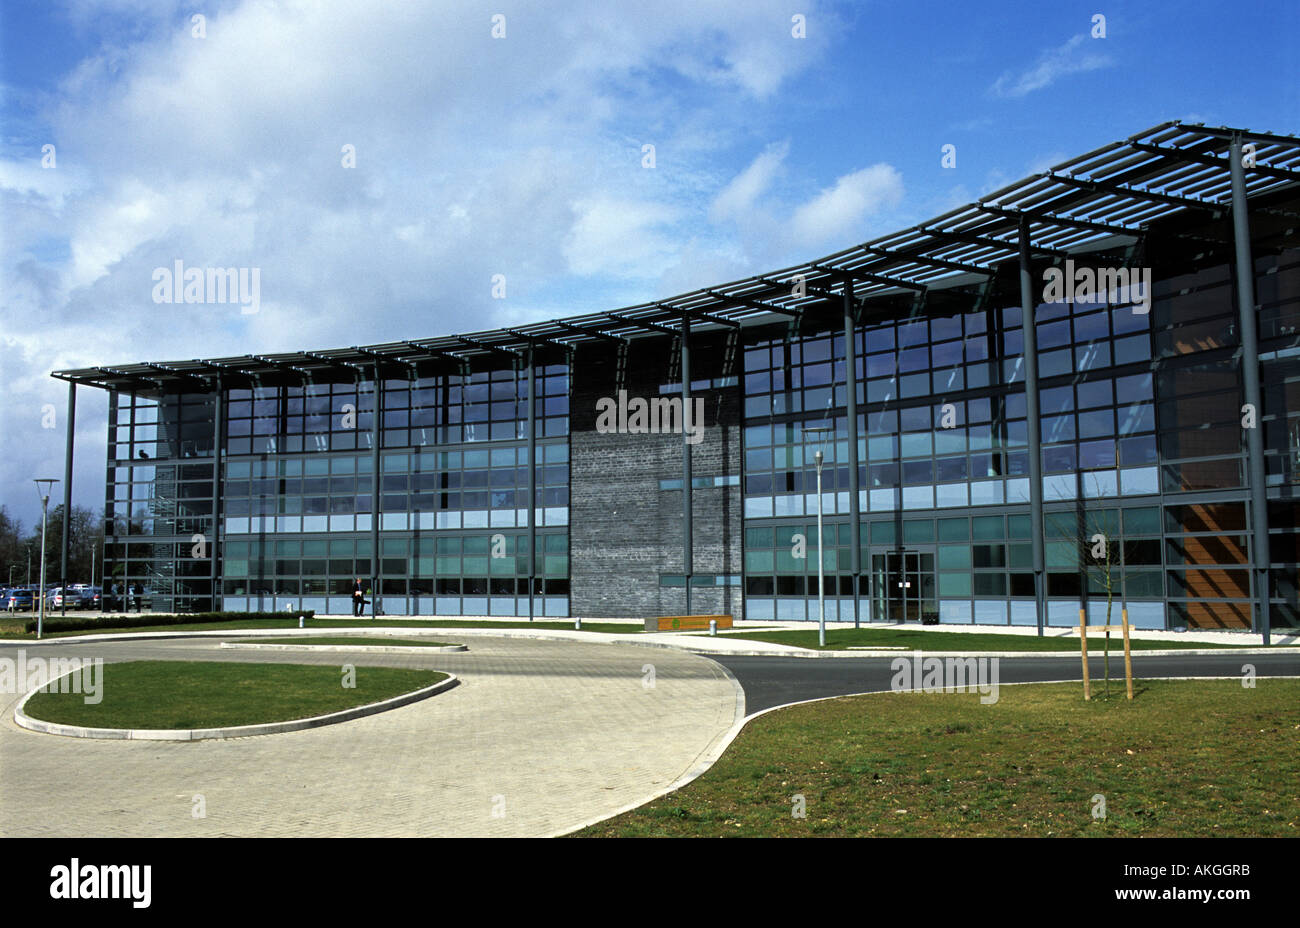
x=110, y=526
x=688, y=547
x=851, y=382
x=67, y=495
x=376, y=575
x=532, y=481
x=1245, y=271
x=218, y=449
x=1027, y=303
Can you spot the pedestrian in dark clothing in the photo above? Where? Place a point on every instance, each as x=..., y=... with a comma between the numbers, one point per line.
x=358, y=598
x=139, y=597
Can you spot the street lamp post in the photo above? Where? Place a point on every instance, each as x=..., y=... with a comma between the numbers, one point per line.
x=44, y=494
x=819, y=432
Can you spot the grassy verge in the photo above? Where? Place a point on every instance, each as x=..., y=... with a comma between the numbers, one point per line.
x=372, y=640
x=842, y=638
x=210, y=694
x=9, y=631
x=1185, y=758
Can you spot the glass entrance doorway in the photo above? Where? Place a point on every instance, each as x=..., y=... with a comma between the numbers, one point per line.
x=904, y=586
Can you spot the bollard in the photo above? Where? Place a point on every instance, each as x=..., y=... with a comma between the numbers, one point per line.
x=577, y=623
x=713, y=628
x=300, y=621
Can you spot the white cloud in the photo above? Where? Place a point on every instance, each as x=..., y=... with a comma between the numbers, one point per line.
x=625, y=238
x=1076, y=55
x=475, y=156
x=837, y=213
x=738, y=198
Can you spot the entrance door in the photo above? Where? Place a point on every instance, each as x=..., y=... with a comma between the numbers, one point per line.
x=904, y=585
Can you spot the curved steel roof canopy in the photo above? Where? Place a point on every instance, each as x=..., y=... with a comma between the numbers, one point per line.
x=1116, y=190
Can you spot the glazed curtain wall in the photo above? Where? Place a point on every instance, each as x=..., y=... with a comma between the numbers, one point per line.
x=1141, y=441
x=158, y=495
x=453, y=495
x=296, y=494
x=452, y=527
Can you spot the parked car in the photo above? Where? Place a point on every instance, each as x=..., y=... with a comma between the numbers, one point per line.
x=20, y=601
x=54, y=598
x=78, y=593
x=91, y=597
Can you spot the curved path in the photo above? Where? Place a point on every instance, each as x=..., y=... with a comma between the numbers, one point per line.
x=539, y=738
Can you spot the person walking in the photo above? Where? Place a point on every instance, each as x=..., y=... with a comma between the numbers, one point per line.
x=358, y=599
x=139, y=597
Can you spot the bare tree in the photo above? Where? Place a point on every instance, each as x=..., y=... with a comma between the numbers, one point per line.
x=1096, y=541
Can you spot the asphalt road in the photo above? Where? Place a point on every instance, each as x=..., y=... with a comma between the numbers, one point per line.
x=776, y=681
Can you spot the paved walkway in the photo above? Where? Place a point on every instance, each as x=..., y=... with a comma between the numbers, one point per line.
x=540, y=737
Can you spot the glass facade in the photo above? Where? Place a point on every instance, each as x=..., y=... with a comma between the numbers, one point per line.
x=159, y=497
x=422, y=480
x=298, y=490
x=1141, y=441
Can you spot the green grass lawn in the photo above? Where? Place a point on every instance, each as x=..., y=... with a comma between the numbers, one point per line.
x=382, y=640
x=14, y=630
x=212, y=694
x=843, y=638
x=1185, y=758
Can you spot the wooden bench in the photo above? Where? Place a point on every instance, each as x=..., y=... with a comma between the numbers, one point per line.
x=685, y=623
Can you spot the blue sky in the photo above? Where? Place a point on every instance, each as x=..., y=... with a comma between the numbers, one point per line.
x=523, y=156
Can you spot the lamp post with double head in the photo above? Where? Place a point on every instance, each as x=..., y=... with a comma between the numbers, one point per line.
x=818, y=434
x=44, y=494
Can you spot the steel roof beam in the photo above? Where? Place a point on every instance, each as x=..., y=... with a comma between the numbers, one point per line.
x=283, y=365
x=130, y=378
x=882, y=279
x=651, y=326
x=593, y=333
x=486, y=346
x=435, y=354
x=1201, y=158
x=702, y=316
x=384, y=359
x=540, y=339
x=1223, y=132
x=212, y=365
x=175, y=373
x=1045, y=218
x=996, y=243
x=333, y=362
x=1124, y=190
x=807, y=288
x=755, y=304
x=910, y=257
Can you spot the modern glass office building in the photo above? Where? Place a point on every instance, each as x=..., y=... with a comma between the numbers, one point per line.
x=996, y=451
